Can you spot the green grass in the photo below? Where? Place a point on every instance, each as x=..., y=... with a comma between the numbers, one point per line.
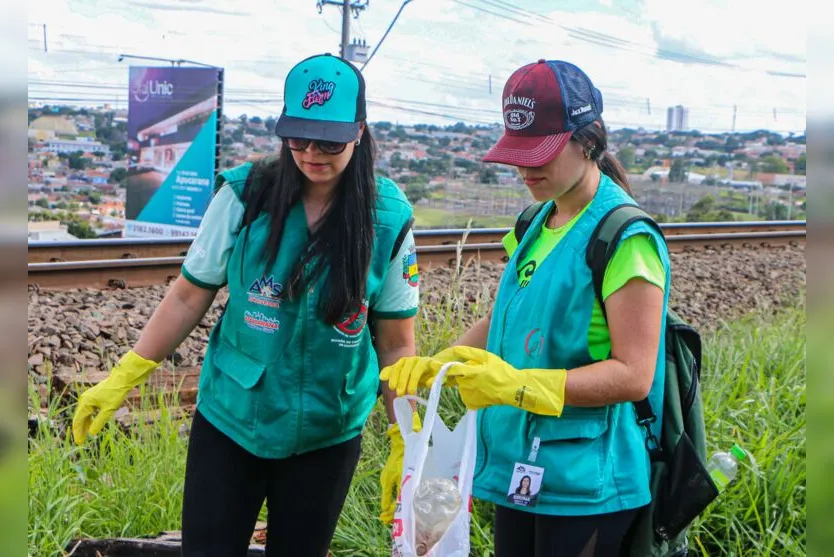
x=427, y=217
x=754, y=389
x=755, y=394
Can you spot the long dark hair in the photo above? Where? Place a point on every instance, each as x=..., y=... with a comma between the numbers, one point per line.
x=594, y=138
x=341, y=244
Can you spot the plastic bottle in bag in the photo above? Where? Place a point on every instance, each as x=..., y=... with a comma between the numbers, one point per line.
x=436, y=503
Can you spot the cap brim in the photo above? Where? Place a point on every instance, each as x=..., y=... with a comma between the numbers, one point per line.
x=527, y=151
x=341, y=132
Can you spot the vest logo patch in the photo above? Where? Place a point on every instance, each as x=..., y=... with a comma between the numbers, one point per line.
x=351, y=326
x=260, y=322
x=266, y=292
x=534, y=343
x=525, y=274
x=410, y=273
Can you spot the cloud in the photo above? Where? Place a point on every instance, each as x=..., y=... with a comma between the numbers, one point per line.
x=439, y=56
x=738, y=29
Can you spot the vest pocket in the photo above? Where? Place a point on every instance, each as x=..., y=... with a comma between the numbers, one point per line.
x=238, y=386
x=573, y=451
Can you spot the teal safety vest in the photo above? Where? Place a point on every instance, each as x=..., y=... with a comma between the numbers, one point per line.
x=595, y=459
x=276, y=378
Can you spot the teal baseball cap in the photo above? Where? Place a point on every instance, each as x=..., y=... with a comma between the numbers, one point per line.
x=324, y=98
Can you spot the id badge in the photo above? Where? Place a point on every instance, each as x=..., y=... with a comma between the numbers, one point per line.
x=525, y=485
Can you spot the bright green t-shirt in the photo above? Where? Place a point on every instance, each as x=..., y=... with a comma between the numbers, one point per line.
x=635, y=257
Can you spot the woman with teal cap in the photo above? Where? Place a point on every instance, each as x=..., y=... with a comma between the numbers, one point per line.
x=315, y=250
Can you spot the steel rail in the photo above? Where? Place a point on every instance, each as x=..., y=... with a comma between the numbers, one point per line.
x=149, y=271
x=143, y=248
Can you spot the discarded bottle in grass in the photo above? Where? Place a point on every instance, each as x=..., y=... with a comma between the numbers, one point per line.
x=723, y=467
x=436, y=503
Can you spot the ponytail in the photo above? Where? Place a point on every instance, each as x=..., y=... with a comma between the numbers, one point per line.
x=611, y=167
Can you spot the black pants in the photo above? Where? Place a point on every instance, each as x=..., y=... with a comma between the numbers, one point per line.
x=523, y=534
x=225, y=487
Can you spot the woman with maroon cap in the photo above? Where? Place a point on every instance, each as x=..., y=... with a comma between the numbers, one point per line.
x=554, y=372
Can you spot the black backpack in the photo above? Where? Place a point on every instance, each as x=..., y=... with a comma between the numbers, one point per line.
x=680, y=484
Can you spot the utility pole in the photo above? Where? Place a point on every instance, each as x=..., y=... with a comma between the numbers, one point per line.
x=345, y=27
x=735, y=110
x=347, y=7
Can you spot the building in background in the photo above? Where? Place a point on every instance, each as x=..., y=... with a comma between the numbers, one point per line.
x=49, y=231
x=677, y=118
x=48, y=127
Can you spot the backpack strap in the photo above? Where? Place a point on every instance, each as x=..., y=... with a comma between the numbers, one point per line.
x=525, y=218
x=606, y=236
x=601, y=248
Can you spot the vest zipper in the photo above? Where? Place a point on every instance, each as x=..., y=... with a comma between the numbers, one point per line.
x=504, y=320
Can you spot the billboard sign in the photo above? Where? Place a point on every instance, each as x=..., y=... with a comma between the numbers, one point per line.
x=172, y=128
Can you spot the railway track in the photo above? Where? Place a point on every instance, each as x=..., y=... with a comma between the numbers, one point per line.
x=122, y=263
x=144, y=248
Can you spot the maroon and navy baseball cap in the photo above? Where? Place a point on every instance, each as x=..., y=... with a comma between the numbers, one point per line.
x=544, y=103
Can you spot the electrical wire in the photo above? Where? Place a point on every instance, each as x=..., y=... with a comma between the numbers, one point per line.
x=390, y=26
x=611, y=41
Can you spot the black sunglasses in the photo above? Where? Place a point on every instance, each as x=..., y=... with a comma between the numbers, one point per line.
x=326, y=147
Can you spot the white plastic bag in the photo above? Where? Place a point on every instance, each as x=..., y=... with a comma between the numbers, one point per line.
x=451, y=456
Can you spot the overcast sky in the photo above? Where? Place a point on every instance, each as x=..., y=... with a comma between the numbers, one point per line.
x=435, y=65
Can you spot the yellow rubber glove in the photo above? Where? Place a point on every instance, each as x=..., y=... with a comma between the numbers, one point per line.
x=484, y=380
x=108, y=395
x=416, y=371
x=392, y=472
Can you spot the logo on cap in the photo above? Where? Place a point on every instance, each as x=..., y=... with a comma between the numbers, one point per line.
x=580, y=110
x=320, y=91
x=519, y=118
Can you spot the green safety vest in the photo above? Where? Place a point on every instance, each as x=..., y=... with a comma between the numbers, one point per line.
x=276, y=378
x=595, y=459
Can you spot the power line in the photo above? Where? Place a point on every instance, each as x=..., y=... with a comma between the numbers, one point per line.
x=390, y=26
x=484, y=10
x=455, y=82
x=629, y=103
x=430, y=113
x=611, y=41
x=506, y=11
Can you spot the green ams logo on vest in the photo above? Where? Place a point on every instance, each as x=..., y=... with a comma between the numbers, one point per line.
x=266, y=292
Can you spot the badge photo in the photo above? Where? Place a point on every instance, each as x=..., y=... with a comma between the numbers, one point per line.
x=525, y=485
